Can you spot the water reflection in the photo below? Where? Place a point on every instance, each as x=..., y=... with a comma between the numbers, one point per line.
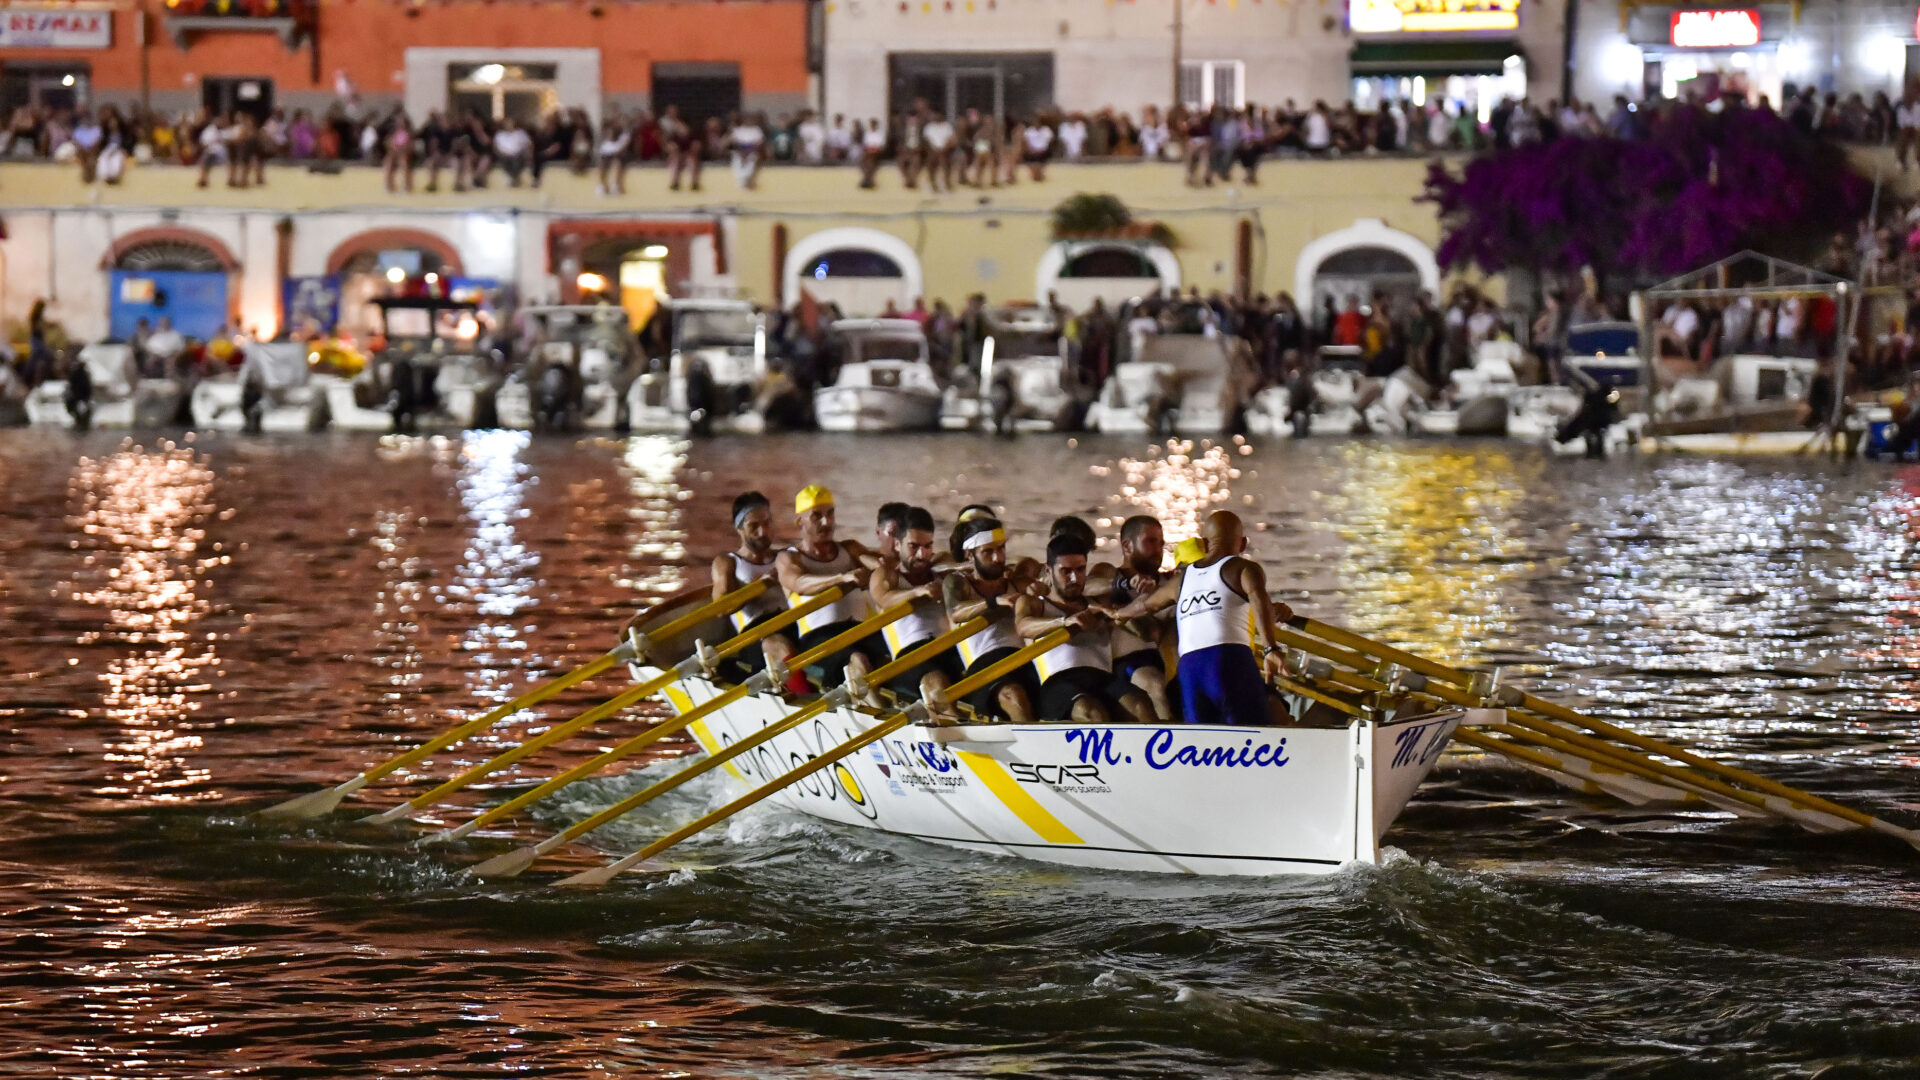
x=140, y=515
x=1430, y=545
x=496, y=572
x=657, y=546
x=1179, y=487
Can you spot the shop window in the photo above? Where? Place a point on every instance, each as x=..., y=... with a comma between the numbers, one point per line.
x=701, y=91
x=1206, y=83
x=49, y=85
x=221, y=95
x=526, y=92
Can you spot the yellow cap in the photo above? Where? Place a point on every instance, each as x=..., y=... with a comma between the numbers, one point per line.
x=811, y=496
x=1190, y=550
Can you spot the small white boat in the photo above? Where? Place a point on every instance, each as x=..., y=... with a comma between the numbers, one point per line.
x=1022, y=384
x=287, y=392
x=884, y=381
x=1342, y=400
x=1192, y=384
x=121, y=398
x=715, y=370
x=1171, y=798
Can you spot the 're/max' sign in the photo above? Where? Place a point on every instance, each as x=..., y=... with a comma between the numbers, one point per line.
x=27, y=26
x=1732, y=29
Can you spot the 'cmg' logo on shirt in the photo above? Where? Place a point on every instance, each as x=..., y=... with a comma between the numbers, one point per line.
x=1199, y=602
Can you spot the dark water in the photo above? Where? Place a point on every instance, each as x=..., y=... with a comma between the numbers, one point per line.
x=197, y=630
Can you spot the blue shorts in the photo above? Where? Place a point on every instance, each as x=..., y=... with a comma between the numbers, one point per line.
x=1223, y=685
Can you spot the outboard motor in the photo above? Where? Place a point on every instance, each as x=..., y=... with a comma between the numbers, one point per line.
x=253, y=400
x=1000, y=405
x=80, y=394
x=700, y=397
x=550, y=401
x=1599, y=410
x=404, y=398
x=1301, y=397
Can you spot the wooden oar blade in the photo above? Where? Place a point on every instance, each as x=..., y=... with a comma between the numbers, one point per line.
x=314, y=804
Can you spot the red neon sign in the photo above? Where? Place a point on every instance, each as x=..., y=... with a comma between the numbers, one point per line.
x=1733, y=29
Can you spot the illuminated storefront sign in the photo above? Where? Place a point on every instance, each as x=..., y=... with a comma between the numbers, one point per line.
x=24, y=26
x=1736, y=29
x=1413, y=16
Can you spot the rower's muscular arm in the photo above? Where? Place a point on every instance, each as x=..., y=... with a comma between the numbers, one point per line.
x=723, y=580
x=888, y=589
x=1029, y=618
x=795, y=579
x=1267, y=611
x=963, y=603
x=1155, y=602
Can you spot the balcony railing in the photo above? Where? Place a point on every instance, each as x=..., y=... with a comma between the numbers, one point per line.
x=292, y=20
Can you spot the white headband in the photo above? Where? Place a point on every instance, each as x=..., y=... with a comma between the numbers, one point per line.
x=982, y=539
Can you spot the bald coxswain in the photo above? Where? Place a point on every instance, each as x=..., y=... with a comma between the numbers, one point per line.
x=1220, y=679
x=815, y=563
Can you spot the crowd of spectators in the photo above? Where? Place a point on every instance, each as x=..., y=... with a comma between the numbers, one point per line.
x=942, y=152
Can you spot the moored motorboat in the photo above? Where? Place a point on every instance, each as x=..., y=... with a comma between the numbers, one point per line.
x=883, y=380
x=120, y=397
x=281, y=395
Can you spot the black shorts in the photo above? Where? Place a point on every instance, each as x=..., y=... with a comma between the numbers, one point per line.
x=831, y=670
x=986, y=700
x=745, y=663
x=1149, y=657
x=1058, y=693
x=906, y=685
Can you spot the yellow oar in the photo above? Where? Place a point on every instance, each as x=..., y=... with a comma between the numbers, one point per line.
x=985, y=677
x=691, y=665
x=513, y=862
x=317, y=803
x=1793, y=798
x=667, y=727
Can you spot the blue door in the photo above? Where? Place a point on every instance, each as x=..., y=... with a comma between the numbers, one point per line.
x=196, y=301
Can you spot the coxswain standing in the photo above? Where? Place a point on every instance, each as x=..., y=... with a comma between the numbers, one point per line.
x=911, y=579
x=812, y=565
x=753, y=560
x=1136, y=648
x=1076, y=678
x=1220, y=681
x=983, y=588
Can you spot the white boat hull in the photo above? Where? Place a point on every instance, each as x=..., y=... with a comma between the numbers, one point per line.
x=152, y=403
x=1169, y=798
x=876, y=408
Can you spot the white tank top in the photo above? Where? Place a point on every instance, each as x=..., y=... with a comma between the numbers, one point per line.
x=852, y=605
x=746, y=572
x=999, y=634
x=926, y=621
x=1085, y=649
x=1211, y=613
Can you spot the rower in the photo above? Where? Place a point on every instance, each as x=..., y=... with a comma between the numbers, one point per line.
x=985, y=589
x=751, y=561
x=889, y=525
x=1136, y=649
x=913, y=580
x=1220, y=680
x=1076, y=678
x=818, y=562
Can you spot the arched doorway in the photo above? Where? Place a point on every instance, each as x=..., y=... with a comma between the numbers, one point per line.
x=631, y=272
x=861, y=270
x=1078, y=272
x=373, y=264
x=179, y=275
x=1361, y=260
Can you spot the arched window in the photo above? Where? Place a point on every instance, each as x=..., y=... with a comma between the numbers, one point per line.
x=176, y=255
x=1110, y=262
x=851, y=262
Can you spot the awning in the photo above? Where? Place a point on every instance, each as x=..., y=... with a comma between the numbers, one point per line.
x=1434, y=59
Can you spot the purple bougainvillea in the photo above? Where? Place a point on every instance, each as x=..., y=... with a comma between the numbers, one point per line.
x=1699, y=187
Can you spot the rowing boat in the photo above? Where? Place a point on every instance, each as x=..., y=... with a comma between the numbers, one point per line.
x=1177, y=798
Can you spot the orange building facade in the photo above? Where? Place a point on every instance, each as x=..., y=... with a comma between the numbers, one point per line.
x=517, y=56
